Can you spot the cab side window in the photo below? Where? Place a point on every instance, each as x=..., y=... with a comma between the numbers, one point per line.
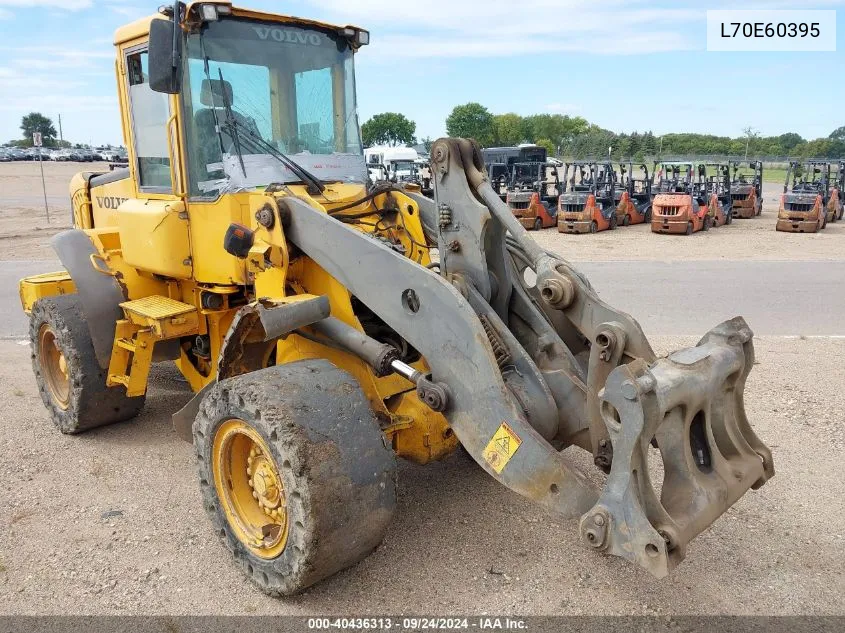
x=149, y=112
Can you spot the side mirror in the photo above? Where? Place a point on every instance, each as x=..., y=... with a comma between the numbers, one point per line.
x=165, y=55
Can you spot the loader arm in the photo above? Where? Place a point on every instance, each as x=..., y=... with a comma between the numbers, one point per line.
x=532, y=366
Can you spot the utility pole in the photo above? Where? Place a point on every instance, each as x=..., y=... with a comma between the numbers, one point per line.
x=61, y=138
x=38, y=141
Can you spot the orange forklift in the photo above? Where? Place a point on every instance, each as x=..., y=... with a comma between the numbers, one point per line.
x=715, y=185
x=633, y=195
x=680, y=204
x=812, y=199
x=836, y=203
x=746, y=188
x=532, y=194
x=586, y=203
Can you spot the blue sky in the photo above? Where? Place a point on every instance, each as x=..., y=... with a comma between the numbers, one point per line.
x=623, y=64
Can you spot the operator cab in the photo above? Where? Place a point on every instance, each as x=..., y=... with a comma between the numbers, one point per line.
x=261, y=101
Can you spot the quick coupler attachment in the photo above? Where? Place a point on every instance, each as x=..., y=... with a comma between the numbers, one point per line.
x=688, y=408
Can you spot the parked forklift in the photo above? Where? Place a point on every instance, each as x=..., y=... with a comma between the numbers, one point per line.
x=533, y=193
x=322, y=341
x=499, y=175
x=747, y=188
x=633, y=195
x=715, y=184
x=836, y=204
x=586, y=203
x=811, y=197
x=680, y=204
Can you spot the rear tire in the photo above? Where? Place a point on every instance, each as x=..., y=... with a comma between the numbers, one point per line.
x=729, y=218
x=689, y=228
x=538, y=224
x=626, y=221
x=594, y=228
x=613, y=222
x=71, y=382
x=306, y=431
x=647, y=219
x=705, y=226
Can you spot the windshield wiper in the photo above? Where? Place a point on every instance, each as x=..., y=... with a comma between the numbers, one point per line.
x=231, y=122
x=259, y=143
x=234, y=126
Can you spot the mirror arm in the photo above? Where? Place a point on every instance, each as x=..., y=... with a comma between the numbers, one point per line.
x=174, y=54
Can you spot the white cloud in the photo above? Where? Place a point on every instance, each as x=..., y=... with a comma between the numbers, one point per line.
x=562, y=108
x=5, y=15
x=500, y=28
x=129, y=12
x=392, y=47
x=50, y=52
x=71, y=5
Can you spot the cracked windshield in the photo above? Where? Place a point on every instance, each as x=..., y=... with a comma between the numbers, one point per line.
x=257, y=90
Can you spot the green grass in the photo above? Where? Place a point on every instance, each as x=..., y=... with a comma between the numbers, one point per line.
x=774, y=175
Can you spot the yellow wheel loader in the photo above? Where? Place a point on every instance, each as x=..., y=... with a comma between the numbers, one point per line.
x=322, y=337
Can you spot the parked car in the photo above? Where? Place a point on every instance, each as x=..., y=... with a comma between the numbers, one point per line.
x=4, y=155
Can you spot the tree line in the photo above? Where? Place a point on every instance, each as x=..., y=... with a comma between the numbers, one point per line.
x=574, y=136
x=560, y=134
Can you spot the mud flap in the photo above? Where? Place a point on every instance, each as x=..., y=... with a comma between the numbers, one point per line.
x=691, y=406
x=100, y=294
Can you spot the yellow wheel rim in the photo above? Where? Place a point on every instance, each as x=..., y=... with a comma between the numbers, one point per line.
x=250, y=488
x=54, y=367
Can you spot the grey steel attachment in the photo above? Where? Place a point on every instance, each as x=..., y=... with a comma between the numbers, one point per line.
x=535, y=361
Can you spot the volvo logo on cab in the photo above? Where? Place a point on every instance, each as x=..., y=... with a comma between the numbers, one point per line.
x=110, y=202
x=290, y=36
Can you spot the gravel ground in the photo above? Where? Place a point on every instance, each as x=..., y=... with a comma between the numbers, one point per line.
x=111, y=522
x=25, y=231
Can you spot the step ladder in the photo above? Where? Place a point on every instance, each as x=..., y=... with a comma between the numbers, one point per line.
x=150, y=319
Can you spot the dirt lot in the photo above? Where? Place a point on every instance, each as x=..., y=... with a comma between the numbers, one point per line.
x=24, y=229
x=22, y=203
x=111, y=522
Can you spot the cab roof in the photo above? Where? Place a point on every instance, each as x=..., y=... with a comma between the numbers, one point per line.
x=141, y=27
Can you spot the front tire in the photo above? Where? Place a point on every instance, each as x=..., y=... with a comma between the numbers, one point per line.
x=296, y=475
x=71, y=382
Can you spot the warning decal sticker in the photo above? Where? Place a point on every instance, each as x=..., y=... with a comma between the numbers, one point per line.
x=501, y=447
